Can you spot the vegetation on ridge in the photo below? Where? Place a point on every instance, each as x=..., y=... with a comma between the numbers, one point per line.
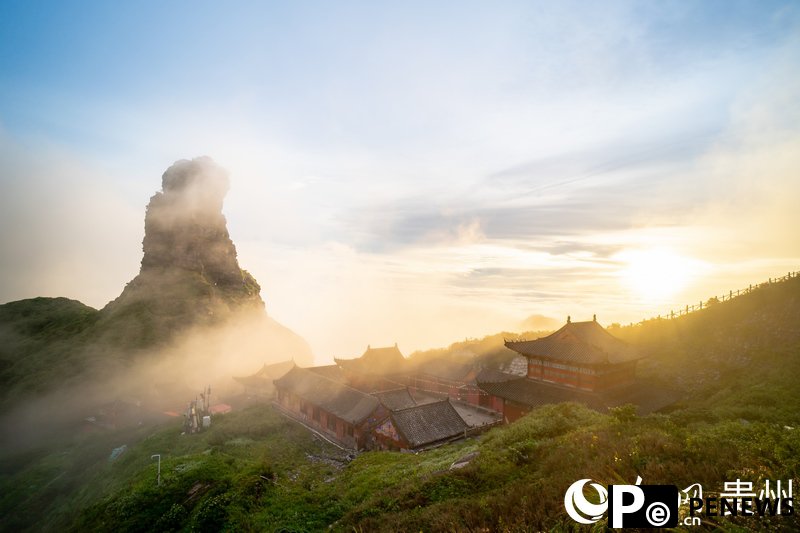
x=190, y=284
x=737, y=363
x=37, y=340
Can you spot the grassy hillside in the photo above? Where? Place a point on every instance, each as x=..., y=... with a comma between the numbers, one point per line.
x=38, y=341
x=257, y=472
x=742, y=354
x=737, y=364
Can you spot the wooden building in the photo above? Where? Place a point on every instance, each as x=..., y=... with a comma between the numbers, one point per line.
x=452, y=379
x=581, y=362
x=420, y=426
x=516, y=397
x=396, y=399
x=582, y=355
x=396, y=419
x=377, y=369
x=336, y=410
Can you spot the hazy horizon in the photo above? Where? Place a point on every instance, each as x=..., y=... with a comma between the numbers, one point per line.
x=415, y=174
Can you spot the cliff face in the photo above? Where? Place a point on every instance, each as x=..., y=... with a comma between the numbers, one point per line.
x=189, y=275
x=191, y=317
x=185, y=227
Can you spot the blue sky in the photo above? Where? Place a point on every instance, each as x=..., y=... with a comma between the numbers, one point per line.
x=421, y=172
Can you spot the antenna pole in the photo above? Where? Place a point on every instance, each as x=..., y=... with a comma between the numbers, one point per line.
x=158, y=478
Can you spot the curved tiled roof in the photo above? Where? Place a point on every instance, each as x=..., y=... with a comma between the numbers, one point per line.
x=648, y=397
x=396, y=399
x=376, y=361
x=536, y=393
x=429, y=423
x=577, y=342
x=345, y=402
x=332, y=372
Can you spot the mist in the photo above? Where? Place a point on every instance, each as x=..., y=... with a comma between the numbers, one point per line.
x=191, y=318
x=154, y=381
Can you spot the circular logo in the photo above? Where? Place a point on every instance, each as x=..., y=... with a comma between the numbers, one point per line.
x=582, y=510
x=657, y=514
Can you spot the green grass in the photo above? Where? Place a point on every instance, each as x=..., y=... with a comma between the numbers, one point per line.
x=228, y=459
x=48, y=342
x=38, y=341
x=737, y=365
x=255, y=471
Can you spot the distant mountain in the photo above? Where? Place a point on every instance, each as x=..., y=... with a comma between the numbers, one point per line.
x=540, y=323
x=190, y=288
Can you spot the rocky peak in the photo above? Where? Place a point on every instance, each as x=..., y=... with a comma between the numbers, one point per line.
x=189, y=273
x=185, y=227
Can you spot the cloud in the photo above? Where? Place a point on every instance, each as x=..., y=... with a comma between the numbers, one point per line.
x=66, y=230
x=428, y=177
x=752, y=175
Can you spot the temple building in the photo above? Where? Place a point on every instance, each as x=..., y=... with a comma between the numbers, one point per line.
x=377, y=369
x=450, y=378
x=581, y=362
x=322, y=399
x=380, y=400
x=339, y=412
x=420, y=426
x=582, y=355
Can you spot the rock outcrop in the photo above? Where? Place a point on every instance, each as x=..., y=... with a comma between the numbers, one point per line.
x=190, y=318
x=185, y=227
x=190, y=275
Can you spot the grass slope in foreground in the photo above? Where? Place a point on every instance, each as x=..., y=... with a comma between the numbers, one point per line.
x=737, y=363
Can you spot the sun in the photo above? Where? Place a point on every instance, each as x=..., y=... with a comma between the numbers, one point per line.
x=657, y=274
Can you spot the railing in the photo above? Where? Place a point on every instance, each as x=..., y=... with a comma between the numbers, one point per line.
x=718, y=299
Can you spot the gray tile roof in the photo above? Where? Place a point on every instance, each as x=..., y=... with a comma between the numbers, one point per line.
x=577, y=342
x=396, y=399
x=536, y=393
x=376, y=361
x=428, y=424
x=648, y=397
x=347, y=403
x=329, y=371
x=476, y=416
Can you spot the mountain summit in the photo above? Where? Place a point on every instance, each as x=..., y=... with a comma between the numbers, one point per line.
x=191, y=308
x=189, y=274
x=185, y=227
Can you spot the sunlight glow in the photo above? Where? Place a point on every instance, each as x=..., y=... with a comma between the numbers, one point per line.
x=657, y=274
